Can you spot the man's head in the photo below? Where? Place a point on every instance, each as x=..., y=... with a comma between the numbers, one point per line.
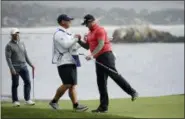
x=64, y=20
x=89, y=20
x=14, y=33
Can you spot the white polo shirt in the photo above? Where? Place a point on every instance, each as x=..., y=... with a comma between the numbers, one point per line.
x=64, y=46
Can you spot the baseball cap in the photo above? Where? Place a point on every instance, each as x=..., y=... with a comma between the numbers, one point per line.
x=14, y=31
x=88, y=18
x=64, y=17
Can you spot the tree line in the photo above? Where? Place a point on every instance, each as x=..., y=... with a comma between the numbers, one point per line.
x=35, y=15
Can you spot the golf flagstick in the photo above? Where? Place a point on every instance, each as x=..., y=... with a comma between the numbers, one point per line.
x=33, y=77
x=106, y=67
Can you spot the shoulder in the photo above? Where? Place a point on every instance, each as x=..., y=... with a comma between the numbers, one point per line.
x=58, y=31
x=100, y=29
x=58, y=34
x=8, y=47
x=9, y=44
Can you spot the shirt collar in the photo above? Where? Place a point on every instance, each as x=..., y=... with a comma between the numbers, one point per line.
x=64, y=29
x=15, y=41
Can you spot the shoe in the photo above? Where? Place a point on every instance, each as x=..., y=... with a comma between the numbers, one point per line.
x=54, y=105
x=80, y=108
x=134, y=96
x=30, y=102
x=16, y=104
x=100, y=110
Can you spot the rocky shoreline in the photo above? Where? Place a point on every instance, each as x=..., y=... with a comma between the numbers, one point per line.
x=144, y=34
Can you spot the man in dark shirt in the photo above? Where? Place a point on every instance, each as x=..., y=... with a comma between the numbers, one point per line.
x=16, y=57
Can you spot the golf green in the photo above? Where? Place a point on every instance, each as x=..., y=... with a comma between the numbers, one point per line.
x=145, y=107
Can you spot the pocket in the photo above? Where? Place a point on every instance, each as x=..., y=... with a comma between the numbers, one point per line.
x=114, y=55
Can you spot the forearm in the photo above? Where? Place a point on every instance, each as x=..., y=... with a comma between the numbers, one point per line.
x=28, y=61
x=26, y=57
x=84, y=45
x=8, y=54
x=10, y=65
x=66, y=43
x=99, y=47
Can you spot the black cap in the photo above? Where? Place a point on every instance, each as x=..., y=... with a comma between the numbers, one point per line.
x=64, y=17
x=88, y=18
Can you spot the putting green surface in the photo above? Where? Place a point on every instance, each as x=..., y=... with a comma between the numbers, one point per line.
x=151, y=107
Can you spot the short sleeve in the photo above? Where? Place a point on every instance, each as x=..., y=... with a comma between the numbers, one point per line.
x=100, y=34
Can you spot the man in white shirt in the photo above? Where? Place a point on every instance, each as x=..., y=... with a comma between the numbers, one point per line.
x=65, y=48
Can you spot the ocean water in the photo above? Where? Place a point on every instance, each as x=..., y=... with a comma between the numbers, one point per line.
x=152, y=69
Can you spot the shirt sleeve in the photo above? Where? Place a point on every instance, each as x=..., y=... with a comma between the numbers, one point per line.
x=8, y=54
x=64, y=40
x=100, y=34
x=26, y=56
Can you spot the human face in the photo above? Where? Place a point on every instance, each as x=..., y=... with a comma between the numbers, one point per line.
x=90, y=24
x=15, y=36
x=66, y=24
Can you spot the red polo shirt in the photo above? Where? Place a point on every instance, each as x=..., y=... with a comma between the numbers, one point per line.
x=98, y=33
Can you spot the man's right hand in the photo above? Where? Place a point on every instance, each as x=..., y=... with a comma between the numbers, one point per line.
x=13, y=72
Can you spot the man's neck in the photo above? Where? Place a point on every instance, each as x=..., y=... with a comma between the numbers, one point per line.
x=15, y=40
x=94, y=25
x=63, y=27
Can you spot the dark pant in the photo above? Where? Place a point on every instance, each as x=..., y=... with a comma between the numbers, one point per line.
x=102, y=73
x=15, y=83
x=68, y=74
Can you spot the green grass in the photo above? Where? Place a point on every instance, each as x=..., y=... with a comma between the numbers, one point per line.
x=151, y=107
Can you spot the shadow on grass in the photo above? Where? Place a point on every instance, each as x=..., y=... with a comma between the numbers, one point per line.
x=10, y=112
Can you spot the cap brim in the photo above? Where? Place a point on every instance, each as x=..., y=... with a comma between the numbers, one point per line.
x=70, y=18
x=87, y=21
x=15, y=32
x=84, y=23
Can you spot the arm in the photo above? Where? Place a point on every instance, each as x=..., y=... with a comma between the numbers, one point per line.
x=99, y=47
x=26, y=57
x=64, y=41
x=8, y=54
x=84, y=45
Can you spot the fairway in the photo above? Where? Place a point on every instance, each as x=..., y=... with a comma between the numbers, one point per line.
x=152, y=107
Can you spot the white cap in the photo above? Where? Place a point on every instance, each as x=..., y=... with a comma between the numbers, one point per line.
x=14, y=31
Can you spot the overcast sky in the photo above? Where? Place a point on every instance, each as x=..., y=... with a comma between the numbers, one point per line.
x=137, y=5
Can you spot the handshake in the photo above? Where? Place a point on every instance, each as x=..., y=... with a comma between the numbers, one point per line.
x=78, y=36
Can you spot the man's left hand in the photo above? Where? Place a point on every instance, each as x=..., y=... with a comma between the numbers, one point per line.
x=78, y=36
x=89, y=57
x=32, y=67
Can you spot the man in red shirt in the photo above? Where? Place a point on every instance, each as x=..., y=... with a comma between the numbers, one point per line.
x=100, y=47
